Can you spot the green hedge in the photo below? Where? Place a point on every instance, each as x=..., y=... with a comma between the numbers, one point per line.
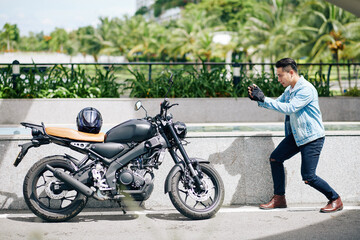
x=217, y=82
x=59, y=82
x=96, y=82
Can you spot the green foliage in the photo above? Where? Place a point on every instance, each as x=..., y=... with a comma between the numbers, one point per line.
x=262, y=30
x=33, y=42
x=189, y=82
x=161, y=5
x=319, y=83
x=9, y=35
x=59, y=82
x=200, y=83
x=353, y=92
x=142, y=11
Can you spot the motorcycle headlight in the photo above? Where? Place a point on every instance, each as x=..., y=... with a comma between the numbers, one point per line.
x=180, y=129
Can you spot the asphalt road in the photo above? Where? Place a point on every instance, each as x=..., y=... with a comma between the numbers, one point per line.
x=229, y=223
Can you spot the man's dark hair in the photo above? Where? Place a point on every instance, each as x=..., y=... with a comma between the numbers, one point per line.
x=287, y=64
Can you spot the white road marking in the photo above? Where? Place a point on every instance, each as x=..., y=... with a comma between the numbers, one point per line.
x=245, y=209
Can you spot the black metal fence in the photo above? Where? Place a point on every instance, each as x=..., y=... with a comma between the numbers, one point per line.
x=331, y=73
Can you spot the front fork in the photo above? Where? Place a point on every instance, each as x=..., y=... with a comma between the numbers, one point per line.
x=186, y=158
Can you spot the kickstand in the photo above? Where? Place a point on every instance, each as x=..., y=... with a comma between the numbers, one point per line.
x=122, y=206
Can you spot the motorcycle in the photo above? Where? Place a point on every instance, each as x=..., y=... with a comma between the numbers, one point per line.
x=118, y=165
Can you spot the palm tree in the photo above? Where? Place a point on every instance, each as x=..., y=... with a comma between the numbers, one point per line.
x=93, y=45
x=331, y=24
x=33, y=42
x=128, y=34
x=229, y=12
x=205, y=46
x=146, y=42
x=329, y=21
x=59, y=37
x=82, y=34
x=104, y=34
x=95, y=41
x=194, y=31
x=116, y=39
x=268, y=31
x=10, y=35
x=72, y=46
x=352, y=34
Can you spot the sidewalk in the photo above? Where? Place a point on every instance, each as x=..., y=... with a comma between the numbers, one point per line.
x=237, y=222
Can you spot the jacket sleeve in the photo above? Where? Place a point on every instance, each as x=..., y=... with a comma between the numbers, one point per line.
x=302, y=98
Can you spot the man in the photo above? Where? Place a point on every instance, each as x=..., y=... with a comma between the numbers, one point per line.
x=304, y=133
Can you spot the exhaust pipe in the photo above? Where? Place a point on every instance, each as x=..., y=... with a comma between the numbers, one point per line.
x=77, y=185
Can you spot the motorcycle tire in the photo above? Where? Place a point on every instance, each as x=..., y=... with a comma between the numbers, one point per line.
x=198, y=204
x=44, y=196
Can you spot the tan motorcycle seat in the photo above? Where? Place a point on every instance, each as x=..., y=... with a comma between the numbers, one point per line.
x=75, y=135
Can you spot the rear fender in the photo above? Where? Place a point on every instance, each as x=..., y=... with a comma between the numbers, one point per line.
x=24, y=149
x=39, y=138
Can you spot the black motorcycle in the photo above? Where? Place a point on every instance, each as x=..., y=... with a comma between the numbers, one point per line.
x=118, y=165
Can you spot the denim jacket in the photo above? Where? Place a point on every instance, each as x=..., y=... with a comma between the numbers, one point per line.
x=302, y=106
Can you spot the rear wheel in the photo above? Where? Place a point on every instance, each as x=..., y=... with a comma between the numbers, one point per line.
x=194, y=203
x=48, y=197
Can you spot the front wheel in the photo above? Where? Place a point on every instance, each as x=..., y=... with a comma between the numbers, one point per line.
x=192, y=202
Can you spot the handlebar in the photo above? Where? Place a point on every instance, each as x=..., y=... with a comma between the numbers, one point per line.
x=165, y=105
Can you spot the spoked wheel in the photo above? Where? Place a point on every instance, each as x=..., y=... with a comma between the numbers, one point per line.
x=194, y=203
x=48, y=197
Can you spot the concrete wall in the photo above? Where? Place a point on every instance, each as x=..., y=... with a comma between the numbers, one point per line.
x=242, y=161
x=241, y=158
x=202, y=110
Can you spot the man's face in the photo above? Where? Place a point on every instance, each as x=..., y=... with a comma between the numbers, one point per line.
x=284, y=77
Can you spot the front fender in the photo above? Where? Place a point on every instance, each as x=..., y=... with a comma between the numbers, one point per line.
x=180, y=167
x=175, y=169
x=198, y=160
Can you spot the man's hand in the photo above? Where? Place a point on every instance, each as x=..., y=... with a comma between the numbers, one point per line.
x=255, y=93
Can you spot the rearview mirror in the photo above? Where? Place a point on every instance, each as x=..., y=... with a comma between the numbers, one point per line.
x=138, y=105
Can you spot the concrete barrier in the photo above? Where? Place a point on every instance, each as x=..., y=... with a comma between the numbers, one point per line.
x=190, y=110
x=241, y=159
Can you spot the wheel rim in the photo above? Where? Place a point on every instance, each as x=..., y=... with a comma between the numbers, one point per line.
x=200, y=201
x=48, y=194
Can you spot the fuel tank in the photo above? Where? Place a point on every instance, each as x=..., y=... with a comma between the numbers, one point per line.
x=134, y=130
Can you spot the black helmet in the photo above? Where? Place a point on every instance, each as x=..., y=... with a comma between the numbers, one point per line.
x=89, y=120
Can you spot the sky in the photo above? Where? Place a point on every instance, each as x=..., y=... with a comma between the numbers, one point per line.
x=45, y=15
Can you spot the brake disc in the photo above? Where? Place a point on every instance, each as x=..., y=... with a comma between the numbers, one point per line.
x=204, y=194
x=52, y=189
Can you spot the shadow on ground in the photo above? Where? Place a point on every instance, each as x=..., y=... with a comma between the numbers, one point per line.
x=87, y=218
x=343, y=226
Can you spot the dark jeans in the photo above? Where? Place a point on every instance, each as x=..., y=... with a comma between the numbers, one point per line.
x=310, y=154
